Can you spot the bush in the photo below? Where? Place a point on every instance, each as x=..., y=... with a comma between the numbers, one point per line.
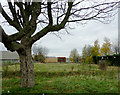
x=102, y=65
x=115, y=60
x=39, y=58
x=5, y=70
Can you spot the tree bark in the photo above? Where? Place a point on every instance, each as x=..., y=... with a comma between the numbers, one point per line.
x=26, y=68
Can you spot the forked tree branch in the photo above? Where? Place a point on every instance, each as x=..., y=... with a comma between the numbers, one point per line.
x=10, y=45
x=12, y=9
x=9, y=20
x=49, y=28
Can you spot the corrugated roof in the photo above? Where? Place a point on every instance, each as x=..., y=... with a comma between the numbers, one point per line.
x=8, y=55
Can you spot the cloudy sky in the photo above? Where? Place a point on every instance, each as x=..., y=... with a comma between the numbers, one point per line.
x=78, y=37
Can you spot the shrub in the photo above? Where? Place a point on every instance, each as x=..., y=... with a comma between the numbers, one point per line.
x=102, y=65
x=113, y=60
x=5, y=70
x=40, y=58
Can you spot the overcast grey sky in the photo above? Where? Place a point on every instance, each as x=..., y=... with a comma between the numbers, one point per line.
x=81, y=35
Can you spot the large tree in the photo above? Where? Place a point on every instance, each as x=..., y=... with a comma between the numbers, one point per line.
x=115, y=47
x=74, y=56
x=40, y=53
x=86, y=54
x=95, y=51
x=54, y=16
x=106, y=47
x=40, y=50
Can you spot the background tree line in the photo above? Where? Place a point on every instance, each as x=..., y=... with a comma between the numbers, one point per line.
x=88, y=51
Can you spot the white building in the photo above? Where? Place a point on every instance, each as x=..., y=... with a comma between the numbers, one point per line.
x=7, y=56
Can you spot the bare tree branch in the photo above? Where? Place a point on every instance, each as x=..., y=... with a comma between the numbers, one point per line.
x=50, y=13
x=9, y=20
x=22, y=12
x=13, y=46
x=12, y=9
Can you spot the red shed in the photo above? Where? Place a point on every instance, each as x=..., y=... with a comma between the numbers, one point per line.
x=61, y=59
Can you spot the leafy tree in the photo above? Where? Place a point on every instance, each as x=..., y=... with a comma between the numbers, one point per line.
x=89, y=47
x=115, y=47
x=74, y=56
x=39, y=58
x=40, y=53
x=95, y=51
x=86, y=54
x=106, y=47
x=53, y=16
x=37, y=50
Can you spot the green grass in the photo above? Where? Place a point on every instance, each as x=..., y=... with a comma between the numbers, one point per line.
x=63, y=78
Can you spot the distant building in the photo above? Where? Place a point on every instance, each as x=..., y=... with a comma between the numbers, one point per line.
x=7, y=56
x=55, y=59
x=61, y=59
x=51, y=60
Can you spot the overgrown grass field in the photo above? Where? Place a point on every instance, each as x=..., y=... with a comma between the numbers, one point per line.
x=62, y=78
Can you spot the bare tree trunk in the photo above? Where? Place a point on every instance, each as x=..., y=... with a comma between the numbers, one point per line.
x=26, y=68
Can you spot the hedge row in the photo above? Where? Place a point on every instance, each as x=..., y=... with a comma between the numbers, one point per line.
x=113, y=59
